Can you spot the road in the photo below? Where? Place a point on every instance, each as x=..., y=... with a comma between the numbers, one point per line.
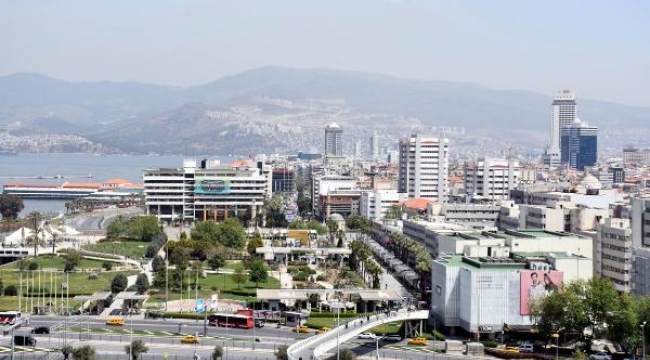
x=99, y=219
x=110, y=341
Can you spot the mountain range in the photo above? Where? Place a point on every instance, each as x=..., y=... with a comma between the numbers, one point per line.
x=274, y=109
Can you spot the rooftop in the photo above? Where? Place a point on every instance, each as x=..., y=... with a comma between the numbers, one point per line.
x=481, y=263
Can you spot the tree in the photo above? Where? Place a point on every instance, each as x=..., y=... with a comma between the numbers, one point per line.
x=143, y=228
x=206, y=231
x=33, y=266
x=355, y=222
x=142, y=283
x=135, y=349
x=393, y=212
x=72, y=260
x=117, y=228
x=217, y=353
x=157, y=263
x=258, y=272
x=66, y=351
x=254, y=242
x=179, y=254
x=2, y=287
x=232, y=234
x=35, y=219
x=119, y=283
x=239, y=275
x=10, y=206
x=216, y=261
x=347, y=354
x=281, y=352
x=85, y=352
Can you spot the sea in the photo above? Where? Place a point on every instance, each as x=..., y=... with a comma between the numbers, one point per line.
x=48, y=169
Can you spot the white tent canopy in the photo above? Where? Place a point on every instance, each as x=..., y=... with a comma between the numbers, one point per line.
x=22, y=236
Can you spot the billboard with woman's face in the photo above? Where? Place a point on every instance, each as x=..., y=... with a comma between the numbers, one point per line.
x=536, y=284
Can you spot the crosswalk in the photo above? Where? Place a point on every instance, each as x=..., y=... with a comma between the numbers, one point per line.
x=410, y=348
x=6, y=349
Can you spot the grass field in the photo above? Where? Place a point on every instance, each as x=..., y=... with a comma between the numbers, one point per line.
x=57, y=263
x=221, y=282
x=79, y=281
x=10, y=303
x=130, y=249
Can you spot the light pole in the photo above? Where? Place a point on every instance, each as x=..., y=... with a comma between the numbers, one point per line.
x=337, y=296
x=557, y=345
x=643, y=335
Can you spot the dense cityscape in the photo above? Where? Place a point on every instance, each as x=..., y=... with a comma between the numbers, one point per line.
x=324, y=180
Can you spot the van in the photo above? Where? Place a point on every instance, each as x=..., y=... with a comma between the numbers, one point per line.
x=526, y=348
x=24, y=340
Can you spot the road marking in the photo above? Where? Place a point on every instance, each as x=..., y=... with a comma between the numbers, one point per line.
x=409, y=348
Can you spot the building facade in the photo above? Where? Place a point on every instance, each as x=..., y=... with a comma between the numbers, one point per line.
x=374, y=203
x=210, y=191
x=491, y=178
x=423, y=167
x=613, y=252
x=333, y=141
x=562, y=115
x=579, y=145
x=283, y=180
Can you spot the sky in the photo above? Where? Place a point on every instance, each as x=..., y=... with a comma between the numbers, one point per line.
x=599, y=48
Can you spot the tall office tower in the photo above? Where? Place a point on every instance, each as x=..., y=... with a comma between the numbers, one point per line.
x=563, y=115
x=579, y=145
x=423, y=167
x=333, y=144
x=374, y=146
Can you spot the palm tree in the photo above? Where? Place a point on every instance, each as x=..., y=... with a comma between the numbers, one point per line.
x=35, y=218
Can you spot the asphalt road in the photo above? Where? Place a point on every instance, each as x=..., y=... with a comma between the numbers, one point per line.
x=98, y=220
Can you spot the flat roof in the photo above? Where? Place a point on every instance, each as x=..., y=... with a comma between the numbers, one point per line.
x=476, y=263
x=94, y=297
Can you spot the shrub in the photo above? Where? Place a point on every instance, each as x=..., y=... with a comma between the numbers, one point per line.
x=321, y=278
x=11, y=290
x=107, y=265
x=93, y=276
x=438, y=335
x=490, y=343
x=33, y=266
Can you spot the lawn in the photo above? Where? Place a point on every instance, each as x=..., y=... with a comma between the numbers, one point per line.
x=80, y=284
x=10, y=303
x=48, y=262
x=130, y=249
x=220, y=282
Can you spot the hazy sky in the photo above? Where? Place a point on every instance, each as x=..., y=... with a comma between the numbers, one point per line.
x=599, y=48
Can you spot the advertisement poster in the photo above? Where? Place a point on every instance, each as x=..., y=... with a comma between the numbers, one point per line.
x=212, y=186
x=536, y=284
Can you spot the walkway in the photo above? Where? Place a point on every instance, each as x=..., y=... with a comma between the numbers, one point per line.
x=318, y=345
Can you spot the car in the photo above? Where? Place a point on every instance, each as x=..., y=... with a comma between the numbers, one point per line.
x=420, y=341
x=24, y=340
x=392, y=338
x=41, y=330
x=301, y=329
x=526, y=348
x=189, y=339
x=511, y=350
x=367, y=336
x=259, y=323
x=322, y=330
x=600, y=356
x=115, y=321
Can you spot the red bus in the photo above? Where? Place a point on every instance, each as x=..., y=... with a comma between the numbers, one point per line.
x=9, y=317
x=242, y=319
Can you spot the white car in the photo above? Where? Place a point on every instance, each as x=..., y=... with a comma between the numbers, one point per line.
x=371, y=336
x=600, y=356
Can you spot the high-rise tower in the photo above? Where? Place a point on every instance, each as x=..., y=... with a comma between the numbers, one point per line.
x=563, y=115
x=374, y=146
x=423, y=166
x=579, y=145
x=333, y=144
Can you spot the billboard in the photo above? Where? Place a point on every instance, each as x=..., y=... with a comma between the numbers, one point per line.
x=536, y=284
x=212, y=186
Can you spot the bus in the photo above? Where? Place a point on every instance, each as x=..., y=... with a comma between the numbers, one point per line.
x=9, y=317
x=242, y=319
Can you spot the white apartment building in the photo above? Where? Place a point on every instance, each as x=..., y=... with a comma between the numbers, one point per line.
x=210, y=191
x=374, y=203
x=641, y=221
x=613, y=252
x=634, y=156
x=491, y=178
x=423, y=167
x=326, y=184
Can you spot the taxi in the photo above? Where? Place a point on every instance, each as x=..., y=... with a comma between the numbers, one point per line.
x=189, y=339
x=322, y=330
x=420, y=341
x=301, y=329
x=511, y=350
x=115, y=321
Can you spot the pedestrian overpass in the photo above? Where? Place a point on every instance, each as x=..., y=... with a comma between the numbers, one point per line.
x=315, y=347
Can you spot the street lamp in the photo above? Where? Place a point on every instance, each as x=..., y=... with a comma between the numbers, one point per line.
x=643, y=332
x=557, y=345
